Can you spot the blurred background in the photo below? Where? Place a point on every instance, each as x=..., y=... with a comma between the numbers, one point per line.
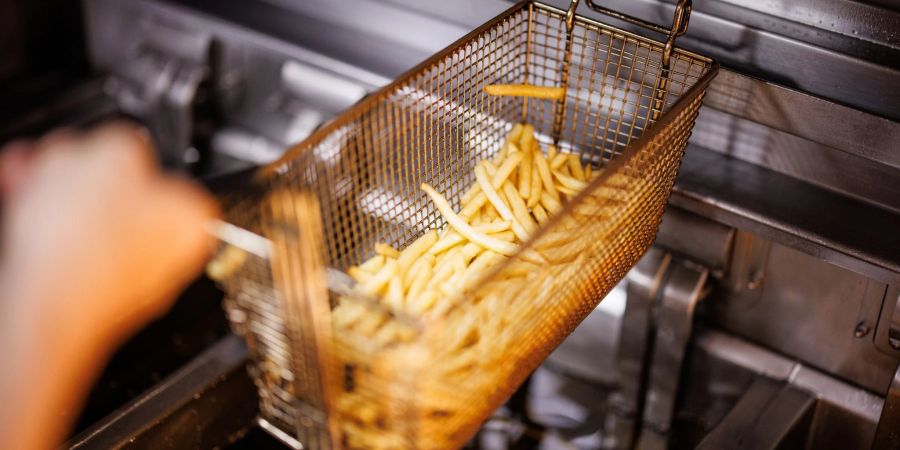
x=766, y=313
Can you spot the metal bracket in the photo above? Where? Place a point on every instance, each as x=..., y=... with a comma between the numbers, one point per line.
x=645, y=282
x=657, y=326
x=674, y=326
x=161, y=84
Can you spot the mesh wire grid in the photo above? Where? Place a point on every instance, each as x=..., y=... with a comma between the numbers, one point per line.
x=433, y=125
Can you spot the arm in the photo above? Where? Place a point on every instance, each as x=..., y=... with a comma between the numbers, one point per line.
x=95, y=242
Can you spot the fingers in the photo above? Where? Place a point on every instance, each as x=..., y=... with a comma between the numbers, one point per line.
x=187, y=210
x=125, y=146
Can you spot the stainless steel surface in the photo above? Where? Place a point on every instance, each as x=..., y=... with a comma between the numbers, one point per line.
x=203, y=405
x=761, y=40
x=696, y=238
x=829, y=226
x=644, y=285
x=770, y=415
x=161, y=83
x=805, y=116
x=887, y=435
x=860, y=402
x=808, y=309
x=683, y=289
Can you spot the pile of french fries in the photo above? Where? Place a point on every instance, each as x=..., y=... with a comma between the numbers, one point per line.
x=517, y=191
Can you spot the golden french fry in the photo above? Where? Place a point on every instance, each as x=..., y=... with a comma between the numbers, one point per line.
x=394, y=296
x=476, y=218
x=374, y=285
x=410, y=253
x=589, y=172
x=569, y=182
x=549, y=203
x=497, y=201
x=540, y=214
x=516, y=133
x=503, y=172
x=386, y=250
x=373, y=264
x=226, y=263
x=559, y=160
x=426, y=301
x=575, y=167
x=466, y=230
x=520, y=210
x=458, y=262
x=567, y=191
x=508, y=236
x=470, y=194
x=479, y=266
x=536, y=187
x=525, y=173
x=526, y=90
x=474, y=205
x=551, y=152
x=490, y=213
x=358, y=274
x=417, y=288
x=546, y=176
x=422, y=263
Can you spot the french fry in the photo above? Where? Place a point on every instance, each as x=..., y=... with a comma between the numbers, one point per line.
x=470, y=194
x=494, y=198
x=540, y=214
x=374, y=285
x=394, y=296
x=422, y=263
x=551, y=152
x=465, y=229
x=550, y=204
x=417, y=288
x=516, y=133
x=559, y=160
x=506, y=169
x=536, y=185
x=525, y=173
x=226, y=263
x=358, y=274
x=453, y=238
x=373, y=264
x=386, y=250
x=410, y=253
x=479, y=266
x=474, y=205
x=543, y=169
x=569, y=182
x=526, y=90
x=576, y=168
x=520, y=210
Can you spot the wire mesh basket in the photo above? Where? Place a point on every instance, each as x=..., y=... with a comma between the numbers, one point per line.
x=629, y=108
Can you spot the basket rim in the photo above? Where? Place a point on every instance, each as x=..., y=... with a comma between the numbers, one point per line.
x=366, y=102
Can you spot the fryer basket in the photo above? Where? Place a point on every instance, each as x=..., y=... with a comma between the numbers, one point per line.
x=629, y=109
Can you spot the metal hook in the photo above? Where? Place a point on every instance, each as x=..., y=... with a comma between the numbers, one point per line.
x=570, y=16
x=679, y=27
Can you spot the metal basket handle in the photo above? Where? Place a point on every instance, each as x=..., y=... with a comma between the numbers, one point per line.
x=679, y=27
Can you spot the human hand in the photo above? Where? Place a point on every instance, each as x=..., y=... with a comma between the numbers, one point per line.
x=96, y=241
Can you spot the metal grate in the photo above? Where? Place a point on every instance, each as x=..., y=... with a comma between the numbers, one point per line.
x=432, y=126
